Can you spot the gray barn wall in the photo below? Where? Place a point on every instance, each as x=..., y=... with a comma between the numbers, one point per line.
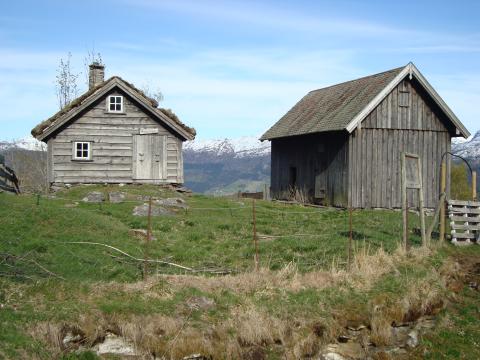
x=375, y=150
x=112, y=145
x=303, y=153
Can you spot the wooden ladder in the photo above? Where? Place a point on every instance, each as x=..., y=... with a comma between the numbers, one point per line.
x=464, y=221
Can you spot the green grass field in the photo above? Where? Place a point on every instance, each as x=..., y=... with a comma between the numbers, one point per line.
x=47, y=279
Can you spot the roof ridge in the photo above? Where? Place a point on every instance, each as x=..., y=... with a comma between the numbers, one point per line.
x=360, y=78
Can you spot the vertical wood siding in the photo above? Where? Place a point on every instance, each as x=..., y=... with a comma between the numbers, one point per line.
x=304, y=154
x=403, y=122
x=112, y=146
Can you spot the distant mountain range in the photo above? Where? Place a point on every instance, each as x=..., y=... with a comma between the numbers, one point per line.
x=225, y=166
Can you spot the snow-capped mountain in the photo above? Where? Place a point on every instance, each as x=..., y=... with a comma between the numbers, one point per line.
x=245, y=146
x=469, y=148
x=26, y=143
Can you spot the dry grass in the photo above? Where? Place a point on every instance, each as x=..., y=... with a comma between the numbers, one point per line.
x=246, y=328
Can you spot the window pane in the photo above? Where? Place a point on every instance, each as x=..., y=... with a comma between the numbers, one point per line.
x=79, y=146
x=79, y=153
x=112, y=107
x=85, y=154
x=118, y=107
x=118, y=99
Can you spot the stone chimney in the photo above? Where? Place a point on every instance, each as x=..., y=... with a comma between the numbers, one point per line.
x=96, y=74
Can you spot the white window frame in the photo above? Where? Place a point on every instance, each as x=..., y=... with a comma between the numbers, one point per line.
x=110, y=103
x=89, y=150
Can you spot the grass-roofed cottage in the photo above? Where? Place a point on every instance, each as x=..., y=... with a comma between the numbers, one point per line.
x=113, y=133
x=342, y=144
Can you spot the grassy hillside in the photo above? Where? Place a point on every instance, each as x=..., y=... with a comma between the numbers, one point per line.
x=301, y=299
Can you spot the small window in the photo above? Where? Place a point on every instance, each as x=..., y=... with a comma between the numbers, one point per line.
x=82, y=150
x=403, y=98
x=115, y=103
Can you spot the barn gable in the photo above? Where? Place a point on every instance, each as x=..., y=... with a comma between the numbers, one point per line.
x=406, y=120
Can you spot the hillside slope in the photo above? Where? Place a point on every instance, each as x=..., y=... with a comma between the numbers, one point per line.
x=64, y=294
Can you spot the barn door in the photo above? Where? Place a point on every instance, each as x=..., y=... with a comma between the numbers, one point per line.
x=148, y=157
x=320, y=176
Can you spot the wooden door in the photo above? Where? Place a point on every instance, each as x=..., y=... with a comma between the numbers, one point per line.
x=320, y=178
x=148, y=157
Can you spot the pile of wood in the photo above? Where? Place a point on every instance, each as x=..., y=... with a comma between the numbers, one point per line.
x=464, y=221
x=8, y=179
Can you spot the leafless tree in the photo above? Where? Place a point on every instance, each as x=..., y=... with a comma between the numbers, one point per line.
x=90, y=58
x=65, y=82
x=154, y=93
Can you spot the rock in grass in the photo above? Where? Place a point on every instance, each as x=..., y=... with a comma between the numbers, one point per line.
x=94, y=197
x=142, y=210
x=200, y=303
x=115, y=345
x=172, y=202
x=116, y=197
x=412, y=340
x=341, y=351
x=140, y=233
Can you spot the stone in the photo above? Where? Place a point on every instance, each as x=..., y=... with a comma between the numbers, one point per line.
x=332, y=356
x=412, y=340
x=116, y=197
x=140, y=233
x=71, y=339
x=200, y=303
x=142, y=210
x=183, y=189
x=115, y=345
x=94, y=197
x=172, y=202
x=349, y=350
x=195, y=357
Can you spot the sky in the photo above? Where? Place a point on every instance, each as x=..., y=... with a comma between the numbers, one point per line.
x=233, y=68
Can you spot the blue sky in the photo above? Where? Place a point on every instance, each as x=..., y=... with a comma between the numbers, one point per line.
x=233, y=68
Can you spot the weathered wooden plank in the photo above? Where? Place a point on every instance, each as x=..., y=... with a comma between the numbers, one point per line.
x=67, y=159
x=457, y=235
x=464, y=210
x=373, y=167
x=469, y=219
x=464, y=203
x=94, y=138
x=470, y=227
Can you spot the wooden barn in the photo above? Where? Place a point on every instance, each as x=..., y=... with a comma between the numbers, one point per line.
x=342, y=145
x=113, y=133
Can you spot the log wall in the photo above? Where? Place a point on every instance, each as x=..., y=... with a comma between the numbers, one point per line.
x=111, y=136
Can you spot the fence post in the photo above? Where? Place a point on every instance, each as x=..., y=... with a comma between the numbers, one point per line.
x=148, y=239
x=38, y=199
x=474, y=186
x=255, y=239
x=404, y=201
x=443, y=189
x=350, y=237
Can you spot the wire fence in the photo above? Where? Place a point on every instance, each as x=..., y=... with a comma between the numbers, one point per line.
x=271, y=235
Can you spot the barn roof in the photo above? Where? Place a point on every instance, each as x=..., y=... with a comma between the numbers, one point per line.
x=165, y=116
x=344, y=106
